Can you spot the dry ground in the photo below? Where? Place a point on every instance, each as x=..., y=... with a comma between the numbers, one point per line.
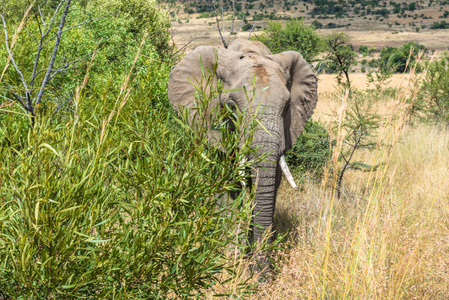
x=367, y=30
x=388, y=236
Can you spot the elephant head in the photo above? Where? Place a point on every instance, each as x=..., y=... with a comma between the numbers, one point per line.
x=286, y=93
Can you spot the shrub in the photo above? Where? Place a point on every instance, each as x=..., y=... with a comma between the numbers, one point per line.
x=116, y=36
x=396, y=58
x=311, y=150
x=120, y=202
x=434, y=95
x=295, y=35
x=116, y=199
x=363, y=49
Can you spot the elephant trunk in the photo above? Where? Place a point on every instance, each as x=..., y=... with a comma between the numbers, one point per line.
x=267, y=174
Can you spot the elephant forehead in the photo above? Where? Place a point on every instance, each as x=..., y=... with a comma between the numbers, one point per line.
x=266, y=71
x=261, y=73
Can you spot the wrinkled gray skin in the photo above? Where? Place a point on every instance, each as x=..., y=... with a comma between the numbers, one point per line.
x=287, y=104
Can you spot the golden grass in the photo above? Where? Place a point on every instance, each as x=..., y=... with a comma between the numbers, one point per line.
x=386, y=238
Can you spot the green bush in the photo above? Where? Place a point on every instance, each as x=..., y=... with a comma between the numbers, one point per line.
x=312, y=149
x=109, y=195
x=396, y=58
x=295, y=35
x=121, y=202
x=434, y=95
x=116, y=33
x=363, y=49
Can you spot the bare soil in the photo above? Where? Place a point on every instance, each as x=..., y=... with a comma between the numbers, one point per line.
x=370, y=30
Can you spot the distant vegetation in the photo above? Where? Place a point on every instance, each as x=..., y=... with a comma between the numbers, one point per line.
x=294, y=35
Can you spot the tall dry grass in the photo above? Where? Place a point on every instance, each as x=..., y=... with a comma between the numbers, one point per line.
x=388, y=236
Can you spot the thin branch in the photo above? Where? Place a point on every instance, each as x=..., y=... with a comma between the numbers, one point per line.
x=63, y=68
x=232, y=24
x=222, y=21
x=4, y=97
x=53, y=18
x=15, y=95
x=40, y=13
x=10, y=55
x=218, y=25
x=82, y=23
x=251, y=30
x=53, y=56
x=29, y=33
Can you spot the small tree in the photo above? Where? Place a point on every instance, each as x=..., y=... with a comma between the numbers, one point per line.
x=295, y=36
x=400, y=59
x=341, y=56
x=434, y=96
x=360, y=125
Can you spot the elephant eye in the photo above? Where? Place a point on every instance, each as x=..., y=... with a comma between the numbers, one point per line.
x=231, y=105
x=242, y=57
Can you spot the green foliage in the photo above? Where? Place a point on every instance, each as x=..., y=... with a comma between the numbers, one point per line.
x=363, y=49
x=121, y=201
x=396, y=58
x=434, y=95
x=312, y=149
x=439, y=25
x=380, y=79
x=295, y=35
x=110, y=27
x=109, y=196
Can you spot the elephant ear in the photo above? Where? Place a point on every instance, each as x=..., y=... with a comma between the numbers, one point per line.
x=184, y=77
x=302, y=84
x=181, y=89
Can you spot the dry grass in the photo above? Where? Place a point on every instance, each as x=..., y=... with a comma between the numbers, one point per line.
x=386, y=238
x=363, y=30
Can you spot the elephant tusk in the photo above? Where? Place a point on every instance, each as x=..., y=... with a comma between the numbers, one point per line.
x=287, y=173
x=242, y=172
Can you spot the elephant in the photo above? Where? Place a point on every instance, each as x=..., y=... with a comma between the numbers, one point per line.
x=285, y=91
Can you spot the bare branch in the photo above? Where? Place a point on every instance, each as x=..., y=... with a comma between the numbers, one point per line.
x=40, y=13
x=240, y=28
x=70, y=65
x=7, y=98
x=15, y=37
x=218, y=25
x=15, y=95
x=10, y=55
x=66, y=67
x=53, y=56
x=222, y=21
x=53, y=18
x=251, y=30
x=29, y=33
x=232, y=24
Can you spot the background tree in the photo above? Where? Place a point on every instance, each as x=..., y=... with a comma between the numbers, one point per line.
x=434, y=95
x=340, y=56
x=294, y=35
x=396, y=58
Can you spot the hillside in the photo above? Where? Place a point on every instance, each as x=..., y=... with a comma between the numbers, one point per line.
x=373, y=23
